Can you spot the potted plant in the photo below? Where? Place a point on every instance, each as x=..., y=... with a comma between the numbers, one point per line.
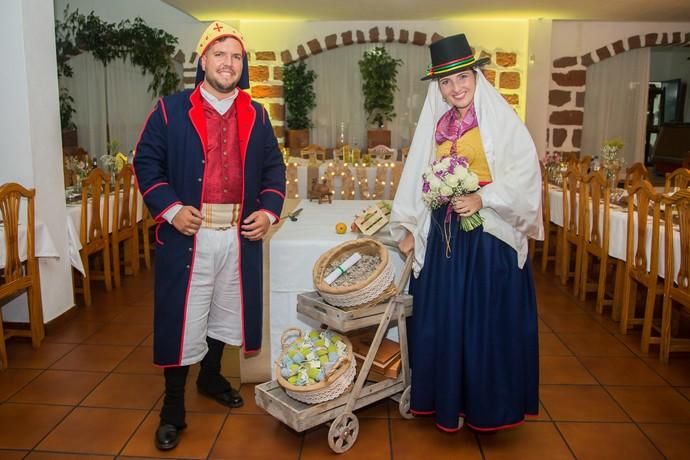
x=69, y=129
x=379, y=83
x=300, y=100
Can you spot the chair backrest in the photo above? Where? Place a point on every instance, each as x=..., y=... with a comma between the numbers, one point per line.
x=125, y=202
x=314, y=150
x=677, y=204
x=571, y=188
x=11, y=197
x=595, y=195
x=382, y=152
x=635, y=173
x=678, y=180
x=95, y=196
x=583, y=164
x=403, y=154
x=545, y=200
x=339, y=153
x=643, y=200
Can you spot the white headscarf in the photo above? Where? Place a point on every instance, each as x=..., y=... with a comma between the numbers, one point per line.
x=511, y=202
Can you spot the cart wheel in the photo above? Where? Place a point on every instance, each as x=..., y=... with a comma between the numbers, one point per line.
x=404, y=405
x=343, y=432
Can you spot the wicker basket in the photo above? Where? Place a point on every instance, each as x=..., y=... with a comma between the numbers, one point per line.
x=335, y=383
x=378, y=287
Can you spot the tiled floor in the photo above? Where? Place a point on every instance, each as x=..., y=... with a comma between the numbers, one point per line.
x=90, y=391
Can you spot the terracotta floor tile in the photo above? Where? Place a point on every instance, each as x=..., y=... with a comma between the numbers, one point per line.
x=121, y=334
x=533, y=440
x=57, y=456
x=677, y=371
x=563, y=370
x=685, y=391
x=575, y=322
x=22, y=355
x=93, y=431
x=542, y=416
x=12, y=454
x=148, y=342
x=256, y=437
x=12, y=380
x=621, y=370
x=102, y=358
x=196, y=440
x=372, y=443
x=24, y=425
x=557, y=304
x=378, y=409
x=594, y=344
x=127, y=391
x=419, y=438
x=250, y=407
x=672, y=440
x=139, y=361
x=551, y=345
x=196, y=402
x=135, y=315
x=59, y=387
x=580, y=403
x=632, y=341
x=653, y=404
x=73, y=332
x=608, y=440
x=542, y=326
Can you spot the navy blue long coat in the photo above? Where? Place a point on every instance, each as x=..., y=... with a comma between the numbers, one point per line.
x=170, y=165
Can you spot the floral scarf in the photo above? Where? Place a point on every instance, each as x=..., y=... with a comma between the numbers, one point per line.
x=449, y=129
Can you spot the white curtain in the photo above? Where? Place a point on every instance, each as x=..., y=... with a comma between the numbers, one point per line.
x=129, y=102
x=616, y=104
x=339, y=98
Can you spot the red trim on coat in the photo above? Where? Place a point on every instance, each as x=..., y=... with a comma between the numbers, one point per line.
x=155, y=234
x=159, y=217
x=271, y=213
x=154, y=186
x=272, y=190
x=246, y=117
x=165, y=112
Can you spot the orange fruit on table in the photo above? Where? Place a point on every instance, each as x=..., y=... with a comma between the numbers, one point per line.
x=340, y=228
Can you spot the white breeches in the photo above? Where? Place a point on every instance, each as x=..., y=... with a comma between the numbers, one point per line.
x=214, y=305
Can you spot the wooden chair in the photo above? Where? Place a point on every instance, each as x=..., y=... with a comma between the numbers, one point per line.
x=339, y=152
x=125, y=228
x=676, y=284
x=94, y=236
x=318, y=152
x=19, y=276
x=549, y=228
x=677, y=180
x=382, y=152
x=640, y=269
x=403, y=154
x=635, y=173
x=583, y=164
x=595, y=238
x=146, y=224
x=571, y=234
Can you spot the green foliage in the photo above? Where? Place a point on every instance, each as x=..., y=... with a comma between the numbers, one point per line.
x=379, y=83
x=146, y=47
x=300, y=99
x=66, y=109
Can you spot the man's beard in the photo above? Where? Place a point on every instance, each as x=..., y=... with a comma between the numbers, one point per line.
x=219, y=86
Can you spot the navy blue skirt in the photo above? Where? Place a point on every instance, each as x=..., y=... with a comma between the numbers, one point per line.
x=473, y=336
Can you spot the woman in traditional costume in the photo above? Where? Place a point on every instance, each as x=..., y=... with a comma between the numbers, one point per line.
x=473, y=334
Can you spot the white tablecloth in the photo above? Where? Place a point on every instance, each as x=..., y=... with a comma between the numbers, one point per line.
x=302, y=176
x=293, y=251
x=618, y=231
x=74, y=225
x=45, y=247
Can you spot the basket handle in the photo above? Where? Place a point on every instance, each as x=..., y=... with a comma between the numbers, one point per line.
x=344, y=361
x=291, y=334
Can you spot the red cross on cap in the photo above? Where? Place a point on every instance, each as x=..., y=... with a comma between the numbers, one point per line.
x=218, y=27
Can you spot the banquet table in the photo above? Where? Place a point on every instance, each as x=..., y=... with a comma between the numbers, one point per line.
x=294, y=249
x=44, y=244
x=618, y=228
x=74, y=225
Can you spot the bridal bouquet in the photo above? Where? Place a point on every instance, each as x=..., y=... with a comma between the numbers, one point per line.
x=448, y=177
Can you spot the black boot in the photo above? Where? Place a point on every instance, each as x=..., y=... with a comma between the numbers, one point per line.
x=172, y=413
x=211, y=383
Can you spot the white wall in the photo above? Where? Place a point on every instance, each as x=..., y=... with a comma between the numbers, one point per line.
x=669, y=64
x=538, y=78
x=30, y=145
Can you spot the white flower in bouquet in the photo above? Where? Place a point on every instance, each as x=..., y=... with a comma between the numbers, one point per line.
x=452, y=181
x=471, y=182
x=446, y=191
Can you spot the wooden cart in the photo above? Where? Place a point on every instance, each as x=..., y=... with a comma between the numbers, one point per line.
x=345, y=427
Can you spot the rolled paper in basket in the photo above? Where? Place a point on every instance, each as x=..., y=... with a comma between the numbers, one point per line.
x=342, y=268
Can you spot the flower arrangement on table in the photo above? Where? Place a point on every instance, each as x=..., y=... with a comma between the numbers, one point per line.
x=79, y=169
x=114, y=160
x=446, y=178
x=554, y=166
x=611, y=162
x=309, y=359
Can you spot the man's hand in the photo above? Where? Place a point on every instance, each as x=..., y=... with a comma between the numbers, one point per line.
x=406, y=245
x=255, y=226
x=187, y=220
x=466, y=205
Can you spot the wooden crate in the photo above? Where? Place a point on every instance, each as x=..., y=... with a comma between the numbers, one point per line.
x=312, y=305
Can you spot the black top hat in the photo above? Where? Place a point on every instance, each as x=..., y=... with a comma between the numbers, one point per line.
x=451, y=55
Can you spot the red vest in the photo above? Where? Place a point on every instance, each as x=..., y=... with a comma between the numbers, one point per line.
x=223, y=183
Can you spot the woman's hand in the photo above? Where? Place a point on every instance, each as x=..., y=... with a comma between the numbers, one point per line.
x=406, y=245
x=466, y=205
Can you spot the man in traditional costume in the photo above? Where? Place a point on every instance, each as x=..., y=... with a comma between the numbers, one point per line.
x=473, y=335
x=210, y=171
